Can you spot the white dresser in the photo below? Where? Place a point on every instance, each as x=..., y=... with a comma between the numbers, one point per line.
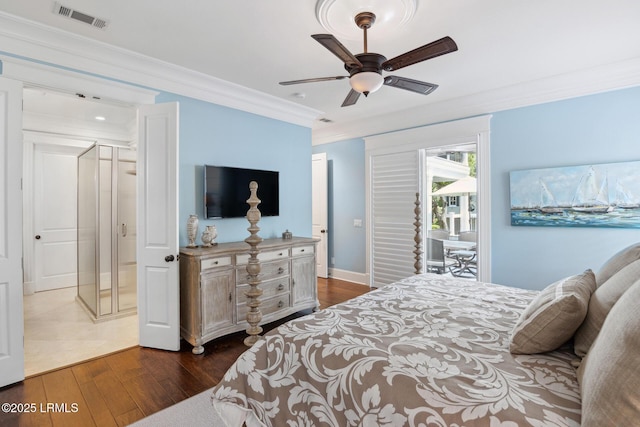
x=213, y=282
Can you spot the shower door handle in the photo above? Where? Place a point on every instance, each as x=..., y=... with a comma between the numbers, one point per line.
x=169, y=258
x=124, y=230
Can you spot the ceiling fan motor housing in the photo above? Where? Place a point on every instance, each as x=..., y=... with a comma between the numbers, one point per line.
x=370, y=62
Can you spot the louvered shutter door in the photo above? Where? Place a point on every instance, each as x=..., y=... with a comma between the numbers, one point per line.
x=394, y=183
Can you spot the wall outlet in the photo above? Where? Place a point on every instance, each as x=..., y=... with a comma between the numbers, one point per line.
x=357, y=223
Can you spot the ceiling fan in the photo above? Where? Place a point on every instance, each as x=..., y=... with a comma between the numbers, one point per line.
x=365, y=69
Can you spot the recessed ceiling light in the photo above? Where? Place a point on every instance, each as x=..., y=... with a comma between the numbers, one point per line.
x=101, y=118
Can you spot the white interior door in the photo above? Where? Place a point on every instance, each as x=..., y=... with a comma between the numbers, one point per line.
x=157, y=247
x=11, y=316
x=54, y=216
x=320, y=220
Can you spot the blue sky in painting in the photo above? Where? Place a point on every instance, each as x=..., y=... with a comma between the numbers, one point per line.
x=563, y=182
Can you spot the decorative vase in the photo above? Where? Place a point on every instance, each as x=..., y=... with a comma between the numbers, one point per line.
x=192, y=230
x=209, y=236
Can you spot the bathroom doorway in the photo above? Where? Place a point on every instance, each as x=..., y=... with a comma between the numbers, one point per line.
x=57, y=128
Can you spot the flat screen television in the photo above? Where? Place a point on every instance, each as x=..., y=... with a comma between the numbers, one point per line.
x=226, y=190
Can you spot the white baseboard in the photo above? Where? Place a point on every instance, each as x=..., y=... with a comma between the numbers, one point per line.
x=29, y=288
x=349, y=276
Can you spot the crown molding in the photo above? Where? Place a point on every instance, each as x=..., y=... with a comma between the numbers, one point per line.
x=604, y=78
x=34, y=74
x=30, y=40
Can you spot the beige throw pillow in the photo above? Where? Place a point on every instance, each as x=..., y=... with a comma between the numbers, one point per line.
x=610, y=374
x=601, y=302
x=617, y=262
x=553, y=316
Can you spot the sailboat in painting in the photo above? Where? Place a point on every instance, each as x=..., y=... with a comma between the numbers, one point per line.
x=597, y=195
x=592, y=195
x=548, y=202
x=624, y=199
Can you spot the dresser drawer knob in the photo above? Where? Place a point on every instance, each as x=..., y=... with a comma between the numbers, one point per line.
x=280, y=270
x=230, y=297
x=280, y=287
x=280, y=304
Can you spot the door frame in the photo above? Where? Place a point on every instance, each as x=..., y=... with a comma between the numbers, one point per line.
x=31, y=143
x=38, y=75
x=476, y=129
x=320, y=195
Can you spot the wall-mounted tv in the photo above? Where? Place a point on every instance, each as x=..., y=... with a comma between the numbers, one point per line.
x=226, y=190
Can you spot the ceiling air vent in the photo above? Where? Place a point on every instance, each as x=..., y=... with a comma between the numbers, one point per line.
x=70, y=13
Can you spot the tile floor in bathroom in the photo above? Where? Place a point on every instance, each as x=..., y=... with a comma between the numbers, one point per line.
x=58, y=332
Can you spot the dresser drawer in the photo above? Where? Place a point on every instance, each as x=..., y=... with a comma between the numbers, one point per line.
x=269, y=288
x=268, y=306
x=264, y=256
x=214, y=262
x=302, y=250
x=268, y=271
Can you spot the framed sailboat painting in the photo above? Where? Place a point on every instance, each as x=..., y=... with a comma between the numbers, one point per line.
x=598, y=195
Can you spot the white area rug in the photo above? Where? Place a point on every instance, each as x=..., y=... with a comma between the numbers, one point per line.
x=195, y=411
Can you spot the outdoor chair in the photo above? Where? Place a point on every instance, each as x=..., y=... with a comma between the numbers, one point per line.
x=437, y=261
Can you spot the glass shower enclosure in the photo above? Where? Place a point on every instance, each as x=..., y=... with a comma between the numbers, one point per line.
x=107, y=286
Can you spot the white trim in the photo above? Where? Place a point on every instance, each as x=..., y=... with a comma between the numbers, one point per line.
x=43, y=43
x=604, y=78
x=39, y=75
x=348, y=276
x=449, y=133
x=476, y=129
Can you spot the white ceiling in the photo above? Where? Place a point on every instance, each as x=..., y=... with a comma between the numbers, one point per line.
x=256, y=44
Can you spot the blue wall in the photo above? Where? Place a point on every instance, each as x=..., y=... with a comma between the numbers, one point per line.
x=346, y=194
x=602, y=128
x=217, y=135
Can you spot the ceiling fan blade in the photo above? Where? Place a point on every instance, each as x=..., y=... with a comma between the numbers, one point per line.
x=417, y=86
x=351, y=98
x=338, y=49
x=317, y=79
x=439, y=47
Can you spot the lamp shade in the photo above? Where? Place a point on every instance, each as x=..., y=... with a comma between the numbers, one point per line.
x=366, y=82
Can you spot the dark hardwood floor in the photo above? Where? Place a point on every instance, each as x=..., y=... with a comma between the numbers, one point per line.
x=123, y=387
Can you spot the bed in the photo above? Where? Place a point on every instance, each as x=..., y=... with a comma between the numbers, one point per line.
x=424, y=351
x=430, y=350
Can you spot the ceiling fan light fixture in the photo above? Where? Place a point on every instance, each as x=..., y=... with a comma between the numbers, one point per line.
x=366, y=82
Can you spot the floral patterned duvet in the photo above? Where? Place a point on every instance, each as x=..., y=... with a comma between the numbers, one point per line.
x=425, y=351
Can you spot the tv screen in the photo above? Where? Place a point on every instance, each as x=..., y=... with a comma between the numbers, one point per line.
x=227, y=190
